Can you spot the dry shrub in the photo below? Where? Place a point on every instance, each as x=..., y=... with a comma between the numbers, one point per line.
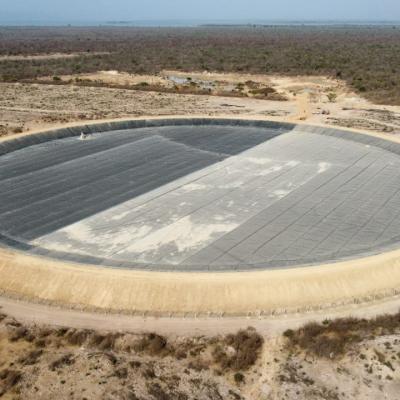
x=41, y=343
x=121, y=373
x=334, y=338
x=67, y=359
x=268, y=93
x=246, y=345
x=44, y=332
x=124, y=394
x=158, y=392
x=149, y=372
x=61, y=332
x=31, y=358
x=111, y=357
x=180, y=354
x=19, y=333
x=252, y=84
x=198, y=365
x=390, y=323
x=8, y=379
x=135, y=364
x=13, y=322
x=3, y=132
x=154, y=345
x=239, y=377
x=234, y=395
x=320, y=340
x=77, y=337
x=104, y=342
x=265, y=92
x=18, y=129
x=191, y=347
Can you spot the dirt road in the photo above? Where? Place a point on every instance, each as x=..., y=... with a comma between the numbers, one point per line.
x=46, y=315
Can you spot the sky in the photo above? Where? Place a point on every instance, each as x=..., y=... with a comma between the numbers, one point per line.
x=212, y=10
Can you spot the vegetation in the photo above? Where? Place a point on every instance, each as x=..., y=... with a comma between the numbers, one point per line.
x=332, y=97
x=159, y=363
x=334, y=338
x=246, y=345
x=153, y=366
x=368, y=58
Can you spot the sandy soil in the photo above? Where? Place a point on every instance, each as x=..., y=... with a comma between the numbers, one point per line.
x=115, y=77
x=48, y=56
x=46, y=362
x=41, y=362
x=260, y=293
x=275, y=325
x=26, y=107
x=317, y=100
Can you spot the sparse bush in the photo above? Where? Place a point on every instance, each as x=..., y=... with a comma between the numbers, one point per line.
x=41, y=343
x=121, y=373
x=60, y=332
x=238, y=377
x=135, y=364
x=263, y=92
x=149, y=372
x=153, y=344
x=77, y=337
x=103, y=341
x=18, y=129
x=31, y=358
x=18, y=333
x=252, y=84
x=246, y=345
x=198, y=365
x=111, y=357
x=332, y=97
x=367, y=58
x=158, y=392
x=334, y=338
x=8, y=379
x=67, y=359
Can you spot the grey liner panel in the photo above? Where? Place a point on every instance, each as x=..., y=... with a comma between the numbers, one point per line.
x=368, y=140
x=45, y=188
x=120, y=264
x=214, y=152
x=29, y=140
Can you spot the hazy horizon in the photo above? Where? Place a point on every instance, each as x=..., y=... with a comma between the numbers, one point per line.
x=195, y=12
x=193, y=23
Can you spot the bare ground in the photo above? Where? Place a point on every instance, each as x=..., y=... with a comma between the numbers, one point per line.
x=50, y=56
x=45, y=362
x=319, y=100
